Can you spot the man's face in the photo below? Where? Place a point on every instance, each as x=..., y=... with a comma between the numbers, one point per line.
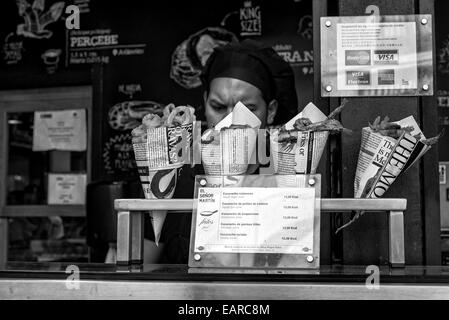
x=224, y=93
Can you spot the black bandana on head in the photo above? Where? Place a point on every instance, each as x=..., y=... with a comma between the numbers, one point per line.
x=260, y=66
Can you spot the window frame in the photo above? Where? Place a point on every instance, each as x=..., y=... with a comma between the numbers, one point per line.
x=30, y=100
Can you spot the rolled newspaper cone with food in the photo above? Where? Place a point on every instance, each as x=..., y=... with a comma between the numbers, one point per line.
x=162, y=146
x=387, y=149
x=298, y=145
x=230, y=147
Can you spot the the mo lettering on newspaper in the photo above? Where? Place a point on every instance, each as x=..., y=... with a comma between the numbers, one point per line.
x=396, y=164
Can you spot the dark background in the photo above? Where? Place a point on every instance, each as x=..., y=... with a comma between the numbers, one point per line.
x=161, y=26
x=442, y=55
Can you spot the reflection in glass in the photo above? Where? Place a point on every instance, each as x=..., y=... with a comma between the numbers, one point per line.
x=27, y=170
x=47, y=239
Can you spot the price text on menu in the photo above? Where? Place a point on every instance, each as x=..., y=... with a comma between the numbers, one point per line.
x=255, y=220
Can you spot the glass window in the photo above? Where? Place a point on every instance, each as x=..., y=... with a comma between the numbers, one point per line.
x=28, y=170
x=59, y=239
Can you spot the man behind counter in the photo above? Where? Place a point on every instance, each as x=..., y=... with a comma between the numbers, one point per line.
x=248, y=72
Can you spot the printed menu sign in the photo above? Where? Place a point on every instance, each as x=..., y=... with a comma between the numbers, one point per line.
x=255, y=220
x=60, y=130
x=377, y=56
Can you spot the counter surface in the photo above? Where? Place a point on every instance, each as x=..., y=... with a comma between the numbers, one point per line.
x=108, y=281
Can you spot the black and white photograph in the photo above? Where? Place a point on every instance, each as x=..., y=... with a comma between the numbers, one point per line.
x=224, y=159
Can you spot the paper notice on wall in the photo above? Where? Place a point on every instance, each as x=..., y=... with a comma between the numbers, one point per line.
x=60, y=130
x=66, y=188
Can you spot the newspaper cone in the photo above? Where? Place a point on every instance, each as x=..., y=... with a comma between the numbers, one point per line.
x=158, y=185
x=383, y=158
x=231, y=151
x=158, y=157
x=302, y=156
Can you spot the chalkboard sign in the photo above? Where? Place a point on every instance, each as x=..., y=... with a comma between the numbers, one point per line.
x=33, y=44
x=148, y=53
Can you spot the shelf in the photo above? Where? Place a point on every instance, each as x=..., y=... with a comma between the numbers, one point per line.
x=43, y=211
x=327, y=205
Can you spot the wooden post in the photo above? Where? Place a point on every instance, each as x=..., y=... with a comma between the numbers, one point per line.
x=320, y=9
x=3, y=241
x=3, y=185
x=429, y=115
x=124, y=238
x=420, y=217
